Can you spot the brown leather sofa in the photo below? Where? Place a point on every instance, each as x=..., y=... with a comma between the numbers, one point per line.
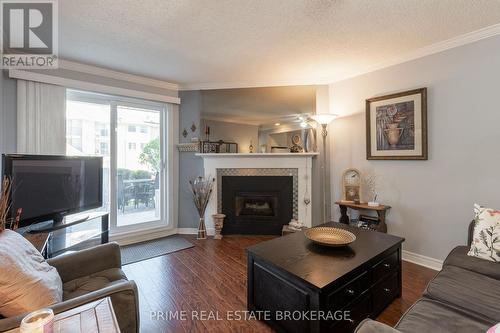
x=463, y=297
x=90, y=275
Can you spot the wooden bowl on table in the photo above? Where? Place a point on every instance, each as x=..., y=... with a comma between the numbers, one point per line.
x=328, y=236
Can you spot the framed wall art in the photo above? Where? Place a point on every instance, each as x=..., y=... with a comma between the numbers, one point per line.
x=396, y=126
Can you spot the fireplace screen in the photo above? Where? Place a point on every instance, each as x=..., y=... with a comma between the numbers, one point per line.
x=255, y=204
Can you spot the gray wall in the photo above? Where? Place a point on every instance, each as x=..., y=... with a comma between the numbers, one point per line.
x=432, y=200
x=190, y=166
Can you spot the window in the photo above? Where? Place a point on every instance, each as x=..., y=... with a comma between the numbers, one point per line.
x=74, y=133
x=104, y=148
x=135, y=176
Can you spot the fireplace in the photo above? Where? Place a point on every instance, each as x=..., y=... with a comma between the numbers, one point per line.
x=256, y=205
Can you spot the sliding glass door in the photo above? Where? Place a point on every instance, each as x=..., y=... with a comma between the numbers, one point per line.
x=131, y=137
x=139, y=171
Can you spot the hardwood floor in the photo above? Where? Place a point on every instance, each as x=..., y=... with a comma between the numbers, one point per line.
x=210, y=279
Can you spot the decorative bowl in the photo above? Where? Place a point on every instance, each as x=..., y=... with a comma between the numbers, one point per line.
x=328, y=236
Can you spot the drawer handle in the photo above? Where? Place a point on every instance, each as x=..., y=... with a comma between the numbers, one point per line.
x=387, y=265
x=350, y=291
x=387, y=290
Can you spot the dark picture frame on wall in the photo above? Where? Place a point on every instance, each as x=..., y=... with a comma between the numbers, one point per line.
x=396, y=126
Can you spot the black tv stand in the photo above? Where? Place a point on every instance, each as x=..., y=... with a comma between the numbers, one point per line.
x=57, y=223
x=60, y=239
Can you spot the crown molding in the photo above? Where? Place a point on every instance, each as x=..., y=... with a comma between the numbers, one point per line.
x=89, y=86
x=111, y=74
x=438, y=47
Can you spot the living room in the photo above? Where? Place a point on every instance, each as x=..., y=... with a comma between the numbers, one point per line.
x=308, y=166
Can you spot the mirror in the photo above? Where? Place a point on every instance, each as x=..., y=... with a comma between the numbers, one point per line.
x=261, y=120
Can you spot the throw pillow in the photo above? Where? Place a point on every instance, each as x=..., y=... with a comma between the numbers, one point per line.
x=486, y=236
x=27, y=282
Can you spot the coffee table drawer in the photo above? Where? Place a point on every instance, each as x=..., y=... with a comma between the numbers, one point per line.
x=389, y=264
x=348, y=293
x=358, y=312
x=385, y=292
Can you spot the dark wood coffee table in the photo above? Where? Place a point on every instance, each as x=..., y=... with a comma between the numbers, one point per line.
x=312, y=284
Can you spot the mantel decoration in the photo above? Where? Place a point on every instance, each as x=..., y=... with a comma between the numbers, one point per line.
x=201, y=188
x=396, y=126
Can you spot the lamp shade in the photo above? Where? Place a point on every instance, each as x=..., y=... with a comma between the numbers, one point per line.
x=324, y=118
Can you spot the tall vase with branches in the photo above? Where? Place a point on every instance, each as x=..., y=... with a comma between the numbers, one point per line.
x=4, y=202
x=201, y=188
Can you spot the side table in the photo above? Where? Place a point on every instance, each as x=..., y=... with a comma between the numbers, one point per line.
x=380, y=210
x=95, y=317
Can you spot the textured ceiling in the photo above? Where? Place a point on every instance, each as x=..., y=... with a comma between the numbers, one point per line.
x=258, y=42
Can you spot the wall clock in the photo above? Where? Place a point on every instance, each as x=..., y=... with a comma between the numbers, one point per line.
x=351, y=183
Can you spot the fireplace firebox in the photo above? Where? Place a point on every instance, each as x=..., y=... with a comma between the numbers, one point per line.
x=256, y=205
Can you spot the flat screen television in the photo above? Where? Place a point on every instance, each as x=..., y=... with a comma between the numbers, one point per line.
x=49, y=187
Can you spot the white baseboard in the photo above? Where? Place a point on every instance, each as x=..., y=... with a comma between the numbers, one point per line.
x=421, y=260
x=138, y=237
x=194, y=231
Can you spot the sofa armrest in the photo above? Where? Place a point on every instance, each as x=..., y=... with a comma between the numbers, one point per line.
x=86, y=262
x=124, y=297
x=372, y=326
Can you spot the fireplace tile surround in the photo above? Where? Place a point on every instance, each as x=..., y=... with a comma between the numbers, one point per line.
x=298, y=165
x=249, y=172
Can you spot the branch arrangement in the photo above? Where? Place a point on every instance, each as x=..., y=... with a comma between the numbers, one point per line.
x=201, y=189
x=4, y=202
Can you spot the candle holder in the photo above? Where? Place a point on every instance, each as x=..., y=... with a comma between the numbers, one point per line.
x=40, y=321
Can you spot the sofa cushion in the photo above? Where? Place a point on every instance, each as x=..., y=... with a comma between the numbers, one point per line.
x=96, y=281
x=27, y=282
x=465, y=289
x=458, y=257
x=486, y=236
x=432, y=316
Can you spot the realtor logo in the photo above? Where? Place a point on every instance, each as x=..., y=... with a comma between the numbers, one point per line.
x=29, y=34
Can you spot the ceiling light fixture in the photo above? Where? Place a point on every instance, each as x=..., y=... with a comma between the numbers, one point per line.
x=277, y=124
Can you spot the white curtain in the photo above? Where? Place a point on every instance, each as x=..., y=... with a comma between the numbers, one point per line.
x=41, y=118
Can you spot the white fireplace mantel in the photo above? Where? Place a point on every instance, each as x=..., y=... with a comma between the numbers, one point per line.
x=258, y=155
x=300, y=161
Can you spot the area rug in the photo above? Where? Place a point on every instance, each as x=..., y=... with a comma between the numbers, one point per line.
x=155, y=248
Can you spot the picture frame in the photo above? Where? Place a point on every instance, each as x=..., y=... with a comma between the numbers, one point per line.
x=396, y=126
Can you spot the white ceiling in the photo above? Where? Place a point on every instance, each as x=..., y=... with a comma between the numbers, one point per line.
x=223, y=43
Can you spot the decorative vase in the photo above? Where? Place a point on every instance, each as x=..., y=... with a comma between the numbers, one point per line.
x=202, y=230
x=218, y=224
x=310, y=142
